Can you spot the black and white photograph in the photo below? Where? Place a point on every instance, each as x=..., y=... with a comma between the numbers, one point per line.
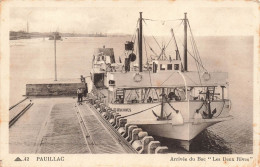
x=174, y=78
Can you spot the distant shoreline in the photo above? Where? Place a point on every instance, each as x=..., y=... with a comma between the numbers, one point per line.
x=16, y=35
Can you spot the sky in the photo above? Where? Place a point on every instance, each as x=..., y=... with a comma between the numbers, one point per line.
x=204, y=21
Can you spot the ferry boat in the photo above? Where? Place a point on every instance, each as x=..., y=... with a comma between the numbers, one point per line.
x=162, y=97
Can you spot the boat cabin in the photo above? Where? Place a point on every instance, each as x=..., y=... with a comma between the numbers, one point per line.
x=103, y=57
x=101, y=63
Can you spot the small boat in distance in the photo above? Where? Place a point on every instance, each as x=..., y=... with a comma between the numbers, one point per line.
x=55, y=35
x=161, y=96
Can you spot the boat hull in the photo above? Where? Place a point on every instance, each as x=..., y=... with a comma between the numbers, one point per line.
x=182, y=126
x=187, y=131
x=183, y=133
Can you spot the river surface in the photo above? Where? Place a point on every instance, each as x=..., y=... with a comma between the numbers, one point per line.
x=32, y=59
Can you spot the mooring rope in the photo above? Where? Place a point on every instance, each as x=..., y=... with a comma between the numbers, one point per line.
x=140, y=111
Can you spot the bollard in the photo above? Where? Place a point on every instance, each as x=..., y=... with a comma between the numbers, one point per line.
x=112, y=119
x=145, y=141
x=121, y=131
x=152, y=146
x=121, y=126
x=161, y=150
x=108, y=114
x=98, y=109
x=129, y=132
x=98, y=103
x=111, y=114
x=102, y=106
x=142, y=134
x=117, y=122
x=137, y=145
x=126, y=130
x=115, y=118
x=109, y=111
x=135, y=135
x=114, y=114
x=104, y=114
x=106, y=108
x=121, y=123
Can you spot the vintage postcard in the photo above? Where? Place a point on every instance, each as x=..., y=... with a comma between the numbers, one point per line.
x=129, y=83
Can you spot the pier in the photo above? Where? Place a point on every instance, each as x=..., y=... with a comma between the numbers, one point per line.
x=59, y=125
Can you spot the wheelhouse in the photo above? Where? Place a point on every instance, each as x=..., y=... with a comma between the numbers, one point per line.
x=165, y=65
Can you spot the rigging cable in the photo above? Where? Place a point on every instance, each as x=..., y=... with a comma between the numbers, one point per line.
x=162, y=20
x=134, y=34
x=196, y=53
x=168, y=42
x=145, y=48
x=196, y=46
x=147, y=62
x=162, y=54
x=200, y=63
x=151, y=49
x=194, y=57
x=190, y=79
x=176, y=45
x=153, y=37
x=197, y=65
x=166, y=79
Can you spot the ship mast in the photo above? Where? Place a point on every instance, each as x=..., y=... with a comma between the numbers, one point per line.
x=185, y=43
x=140, y=42
x=27, y=27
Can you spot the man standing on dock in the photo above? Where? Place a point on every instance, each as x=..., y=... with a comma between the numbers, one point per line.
x=80, y=94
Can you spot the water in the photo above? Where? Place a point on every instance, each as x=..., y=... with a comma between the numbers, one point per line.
x=34, y=59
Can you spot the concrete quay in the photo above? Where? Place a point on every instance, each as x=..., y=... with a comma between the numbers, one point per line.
x=51, y=126
x=59, y=125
